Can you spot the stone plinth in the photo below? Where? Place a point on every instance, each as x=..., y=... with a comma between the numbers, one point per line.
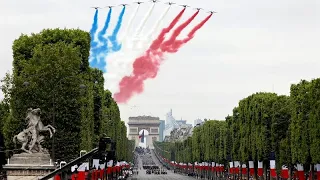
x=28, y=166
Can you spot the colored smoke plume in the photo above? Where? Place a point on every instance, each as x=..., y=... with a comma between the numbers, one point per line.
x=147, y=66
x=144, y=67
x=94, y=29
x=178, y=43
x=157, y=42
x=114, y=37
x=103, y=31
x=130, y=23
x=145, y=19
x=177, y=32
x=158, y=23
x=93, y=44
x=100, y=52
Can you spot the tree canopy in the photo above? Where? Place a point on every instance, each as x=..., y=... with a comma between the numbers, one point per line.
x=51, y=72
x=263, y=126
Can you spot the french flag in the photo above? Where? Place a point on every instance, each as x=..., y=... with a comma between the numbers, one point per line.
x=82, y=171
x=213, y=165
x=244, y=169
x=285, y=172
x=251, y=168
x=300, y=172
x=142, y=136
x=237, y=167
x=231, y=167
x=260, y=168
x=273, y=172
x=109, y=167
x=74, y=172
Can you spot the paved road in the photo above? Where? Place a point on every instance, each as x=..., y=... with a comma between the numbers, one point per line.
x=170, y=176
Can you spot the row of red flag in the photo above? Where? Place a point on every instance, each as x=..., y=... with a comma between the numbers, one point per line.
x=98, y=171
x=234, y=168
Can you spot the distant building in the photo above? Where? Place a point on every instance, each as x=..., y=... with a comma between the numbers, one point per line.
x=161, y=130
x=181, y=122
x=171, y=123
x=197, y=122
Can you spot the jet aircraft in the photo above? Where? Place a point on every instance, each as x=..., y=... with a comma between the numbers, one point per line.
x=198, y=9
x=170, y=3
x=96, y=8
x=139, y=2
x=185, y=6
x=123, y=5
x=110, y=7
x=154, y=1
x=212, y=12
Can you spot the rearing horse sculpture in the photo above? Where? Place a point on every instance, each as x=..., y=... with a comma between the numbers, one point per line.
x=31, y=136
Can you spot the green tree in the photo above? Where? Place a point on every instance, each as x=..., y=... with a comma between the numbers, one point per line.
x=299, y=127
x=304, y=127
x=280, y=130
x=53, y=63
x=314, y=121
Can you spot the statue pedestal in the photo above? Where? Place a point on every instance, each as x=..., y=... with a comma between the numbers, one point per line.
x=28, y=166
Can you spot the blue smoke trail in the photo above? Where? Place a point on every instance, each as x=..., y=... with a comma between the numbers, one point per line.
x=93, y=43
x=102, y=50
x=113, y=38
x=94, y=29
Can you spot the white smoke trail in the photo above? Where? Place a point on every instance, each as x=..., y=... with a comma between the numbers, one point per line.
x=120, y=64
x=124, y=36
x=144, y=21
x=157, y=24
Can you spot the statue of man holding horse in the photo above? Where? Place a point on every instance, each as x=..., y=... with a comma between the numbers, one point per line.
x=30, y=138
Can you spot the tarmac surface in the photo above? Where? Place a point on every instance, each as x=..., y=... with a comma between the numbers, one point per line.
x=170, y=176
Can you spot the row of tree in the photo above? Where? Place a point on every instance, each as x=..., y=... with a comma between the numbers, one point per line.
x=264, y=126
x=51, y=72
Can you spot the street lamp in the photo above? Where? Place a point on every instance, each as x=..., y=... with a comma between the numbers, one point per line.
x=81, y=86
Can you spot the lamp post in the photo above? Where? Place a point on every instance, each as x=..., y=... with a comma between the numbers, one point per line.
x=81, y=86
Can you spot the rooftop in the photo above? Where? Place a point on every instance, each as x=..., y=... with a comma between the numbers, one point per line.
x=144, y=118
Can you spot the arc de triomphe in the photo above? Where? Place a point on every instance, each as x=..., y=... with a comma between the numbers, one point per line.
x=147, y=123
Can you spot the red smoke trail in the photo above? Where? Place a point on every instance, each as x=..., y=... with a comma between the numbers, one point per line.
x=157, y=42
x=147, y=66
x=144, y=67
x=178, y=43
x=177, y=31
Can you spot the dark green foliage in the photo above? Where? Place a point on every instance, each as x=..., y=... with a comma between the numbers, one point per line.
x=305, y=123
x=51, y=71
x=314, y=121
x=54, y=78
x=24, y=47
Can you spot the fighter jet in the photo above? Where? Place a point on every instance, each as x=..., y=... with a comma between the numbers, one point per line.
x=139, y=2
x=212, y=12
x=198, y=9
x=170, y=3
x=123, y=5
x=185, y=6
x=109, y=7
x=154, y=1
x=96, y=8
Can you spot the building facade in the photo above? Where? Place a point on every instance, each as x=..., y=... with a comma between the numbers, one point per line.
x=161, y=129
x=146, y=123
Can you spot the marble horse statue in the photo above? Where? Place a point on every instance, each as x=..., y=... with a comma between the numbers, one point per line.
x=30, y=138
